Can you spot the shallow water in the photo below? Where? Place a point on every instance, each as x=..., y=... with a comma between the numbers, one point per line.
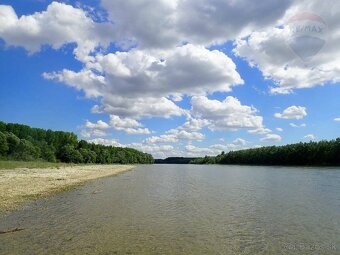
x=186, y=209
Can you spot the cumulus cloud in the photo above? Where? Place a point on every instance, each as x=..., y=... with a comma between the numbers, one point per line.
x=97, y=129
x=164, y=24
x=215, y=149
x=193, y=124
x=297, y=126
x=310, y=137
x=88, y=133
x=227, y=114
x=194, y=151
x=101, y=125
x=292, y=112
x=140, y=84
x=158, y=151
x=280, y=56
x=127, y=125
x=271, y=138
x=145, y=24
x=107, y=142
x=175, y=135
x=60, y=24
x=240, y=141
x=279, y=129
x=260, y=131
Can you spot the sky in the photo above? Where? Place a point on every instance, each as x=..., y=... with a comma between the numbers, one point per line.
x=173, y=78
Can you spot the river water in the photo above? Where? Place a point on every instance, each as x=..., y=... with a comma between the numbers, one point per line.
x=186, y=209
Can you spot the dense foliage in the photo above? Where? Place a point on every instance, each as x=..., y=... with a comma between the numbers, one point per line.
x=303, y=154
x=174, y=160
x=21, y=142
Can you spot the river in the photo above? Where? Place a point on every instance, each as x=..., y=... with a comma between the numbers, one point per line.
x=186, y=209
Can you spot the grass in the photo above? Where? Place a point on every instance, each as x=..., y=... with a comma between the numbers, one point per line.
x=4, y=164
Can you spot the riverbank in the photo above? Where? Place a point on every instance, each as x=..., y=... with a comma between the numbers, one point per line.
x=11, y=164
x=23, y=184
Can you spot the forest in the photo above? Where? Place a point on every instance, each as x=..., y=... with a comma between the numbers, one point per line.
x=21, y=142
x=322, y=153
x=174, y=160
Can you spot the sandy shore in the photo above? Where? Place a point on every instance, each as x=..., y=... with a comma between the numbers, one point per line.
x=20, y=185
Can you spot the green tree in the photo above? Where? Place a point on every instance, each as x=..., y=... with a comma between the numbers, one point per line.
x=88, y=156
x=12, y=141
x=69, y=154
x=25, y=150
x=3, y=144
x=26, y=143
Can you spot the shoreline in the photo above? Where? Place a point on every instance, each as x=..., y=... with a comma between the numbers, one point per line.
x=21, y=185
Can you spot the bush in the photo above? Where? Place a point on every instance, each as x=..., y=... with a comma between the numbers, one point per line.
x=25, y=150
x=3, y=144
x=48, y=154
x=69, y=154
x=12, y=141
x=88, y=156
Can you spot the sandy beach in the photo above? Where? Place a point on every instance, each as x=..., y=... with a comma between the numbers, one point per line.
x=23, y=184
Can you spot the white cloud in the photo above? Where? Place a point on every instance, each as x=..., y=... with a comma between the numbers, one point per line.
x=128, y=125
x=99, y=125
x=337, y=119
x=174, y=136
x=193, y=151
x=310, y=137
x=194, y=124
x=164, y=24
x=139, y=83
x=60, y=24
x=107, y=142
x=292, y=112
x=260, y=131
x=227, y=114
x=271, y=138
x=240, y=141
x=158, y=151
x=182, y=134
x=279, y=129
x=145, y=23
x=215, y=149
x=88, y=133
x=272, y=52
x=297, y=126
x=166, y=150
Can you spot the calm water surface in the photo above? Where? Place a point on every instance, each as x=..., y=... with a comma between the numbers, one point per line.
x=186, y=209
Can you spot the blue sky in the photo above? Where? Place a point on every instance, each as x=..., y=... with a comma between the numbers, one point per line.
x=115, y=73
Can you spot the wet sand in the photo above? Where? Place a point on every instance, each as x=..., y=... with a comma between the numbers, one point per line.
x=21, y=185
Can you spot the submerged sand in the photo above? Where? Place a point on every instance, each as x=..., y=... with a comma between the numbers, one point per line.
x=20, y=185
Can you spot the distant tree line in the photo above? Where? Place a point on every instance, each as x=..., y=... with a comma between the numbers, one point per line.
x=174, y=160
x=300, y=154
x=21, y=142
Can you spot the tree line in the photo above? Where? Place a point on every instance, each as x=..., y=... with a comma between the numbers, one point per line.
x=21, y=142
x=174, y=160
x=321, y=153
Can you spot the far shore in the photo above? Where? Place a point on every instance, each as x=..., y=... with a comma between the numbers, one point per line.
x=24, y=184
